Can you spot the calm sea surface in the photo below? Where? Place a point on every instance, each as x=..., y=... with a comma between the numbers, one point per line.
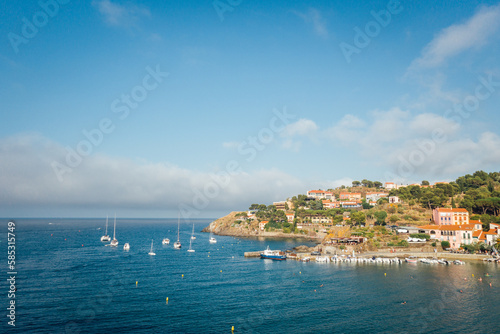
x=68, y=282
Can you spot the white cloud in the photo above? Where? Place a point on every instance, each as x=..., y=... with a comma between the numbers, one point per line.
x=119, y=15
x=423, y=145
x=347, y=130
x=314, y=17
x=303, y=127
x=458, y=38
x=27, y=180
x=425, y=124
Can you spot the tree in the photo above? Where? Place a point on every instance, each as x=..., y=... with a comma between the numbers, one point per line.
x=356, y=183
x=425, y=183
x=254, y=207
x=453, y=205
x=432, y=198
x=490, y=187
x=366, y=205
x=394, y=219
x=445, y=244
x=377, y=184
x=316, y=205
x=380, y=217
x=358, y=217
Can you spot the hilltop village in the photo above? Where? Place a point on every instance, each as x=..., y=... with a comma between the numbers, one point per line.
x=460, y=216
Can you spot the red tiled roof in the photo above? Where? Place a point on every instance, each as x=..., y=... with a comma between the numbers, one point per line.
x=429, y=227
x=451, y=210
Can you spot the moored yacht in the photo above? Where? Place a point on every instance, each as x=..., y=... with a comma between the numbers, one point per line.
x=106, y=237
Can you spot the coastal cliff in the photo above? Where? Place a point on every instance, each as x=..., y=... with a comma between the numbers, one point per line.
x=230, y=225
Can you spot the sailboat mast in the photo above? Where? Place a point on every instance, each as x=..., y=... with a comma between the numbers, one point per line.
x=114, y=228
x=178, y=226
x=106, y=225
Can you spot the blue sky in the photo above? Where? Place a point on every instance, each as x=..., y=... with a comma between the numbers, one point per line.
x=209, y=106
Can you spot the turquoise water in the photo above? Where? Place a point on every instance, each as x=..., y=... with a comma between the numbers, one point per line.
x=64, y=287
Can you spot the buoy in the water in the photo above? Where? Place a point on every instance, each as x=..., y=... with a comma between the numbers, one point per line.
x=166, y=301
x=182, y=275
x=136, y=282
x=385, y=274
x=232, y=328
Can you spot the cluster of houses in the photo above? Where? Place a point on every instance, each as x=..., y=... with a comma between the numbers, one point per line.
x=348, y=200
x=454, y=226
x=393, y=185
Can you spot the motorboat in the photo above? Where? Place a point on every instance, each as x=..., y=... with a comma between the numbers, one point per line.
x=272, y=254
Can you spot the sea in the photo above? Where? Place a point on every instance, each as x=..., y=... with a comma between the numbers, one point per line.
x=67, y=281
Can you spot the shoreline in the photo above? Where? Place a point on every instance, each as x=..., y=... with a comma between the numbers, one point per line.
x=277, y=235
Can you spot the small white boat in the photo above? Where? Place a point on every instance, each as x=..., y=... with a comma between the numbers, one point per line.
x=177, y=244
x=322, y=259
x=191, y=250
x=458, y=262
x=114, y=242
x=212, y=240
x=165, y=241
x=151, y=251
x=192, y=234
x=126, y=246
x=411, y=259
x=106, y=237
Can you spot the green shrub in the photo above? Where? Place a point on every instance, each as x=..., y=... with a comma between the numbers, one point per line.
x=420, y=236
x=445, y=244
x=403, y=243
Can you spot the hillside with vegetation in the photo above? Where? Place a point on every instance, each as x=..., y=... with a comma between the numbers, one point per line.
x=478, y=193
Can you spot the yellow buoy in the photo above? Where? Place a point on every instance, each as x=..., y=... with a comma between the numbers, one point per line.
x=221, y=271
x=300, y=272
x=166, y=300
x=472, y=275
x=182, y=275
x=232, y=328
x=385, y=274
x=136, y=282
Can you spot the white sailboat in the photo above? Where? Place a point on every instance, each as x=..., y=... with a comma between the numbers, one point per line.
x=126, y=246
x=114, y=242
x=165, y=241
x=177, y=244
x=192, y=234
x=191, y=250
x=106, y=237
x=212, y=240
x=151, y=251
